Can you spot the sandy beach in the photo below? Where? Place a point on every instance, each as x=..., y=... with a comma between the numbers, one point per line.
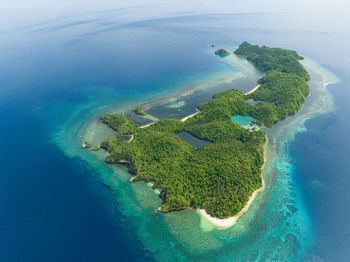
x=253, y=90
x=183, y=119
x=147, y=125
x=187, y=117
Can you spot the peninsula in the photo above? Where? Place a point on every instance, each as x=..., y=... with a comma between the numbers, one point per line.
x=221, y=176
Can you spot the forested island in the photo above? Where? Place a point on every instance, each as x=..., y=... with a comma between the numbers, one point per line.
x=221, y=176
x=222, y=52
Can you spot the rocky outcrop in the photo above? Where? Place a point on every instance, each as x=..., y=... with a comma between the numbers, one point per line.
x=96, y=148
x=85, y=145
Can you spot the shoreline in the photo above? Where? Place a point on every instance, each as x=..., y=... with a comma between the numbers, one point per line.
x=192, y=115
x=252, y=91
x=187, y=90
x=182, y=119
x=225, y=223
x=147, y=125
x=189, y=116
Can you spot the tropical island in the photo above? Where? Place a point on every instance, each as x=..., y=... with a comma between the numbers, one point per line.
x=222, y=52
x=221, y=176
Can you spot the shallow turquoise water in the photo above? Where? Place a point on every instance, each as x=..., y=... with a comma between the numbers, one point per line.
x=242, y=120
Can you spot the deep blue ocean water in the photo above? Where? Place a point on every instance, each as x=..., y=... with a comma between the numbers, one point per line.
x=52, y=206
x=58, y=71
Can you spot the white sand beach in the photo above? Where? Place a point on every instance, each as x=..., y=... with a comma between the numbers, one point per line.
x=253, y=90
x=187, y=117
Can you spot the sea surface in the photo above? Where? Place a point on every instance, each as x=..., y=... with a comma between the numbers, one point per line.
x=63, y=64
